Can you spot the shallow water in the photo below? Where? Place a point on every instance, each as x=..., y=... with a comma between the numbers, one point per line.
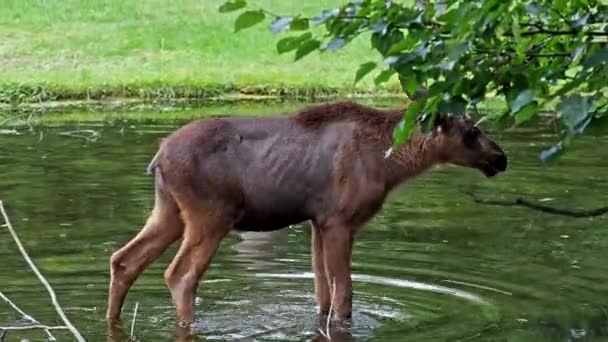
x=432, y=266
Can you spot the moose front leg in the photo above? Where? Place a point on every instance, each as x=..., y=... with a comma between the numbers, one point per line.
x=337, y=250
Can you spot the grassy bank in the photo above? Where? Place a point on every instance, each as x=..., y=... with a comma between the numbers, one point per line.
x=91, y=49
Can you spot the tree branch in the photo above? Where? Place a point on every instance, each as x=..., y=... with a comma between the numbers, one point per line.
x=522, y=202
x=34, y=326
x=58, y=308
x=560, y=33
x=25, y=316
x=528, y=54
x=549, y=54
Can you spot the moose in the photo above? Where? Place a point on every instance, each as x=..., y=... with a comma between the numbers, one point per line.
x=325, y=164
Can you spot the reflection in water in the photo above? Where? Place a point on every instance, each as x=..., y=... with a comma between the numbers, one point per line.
x=387, y=281
x=505, y=274
x=255, y=249
x=116, y=332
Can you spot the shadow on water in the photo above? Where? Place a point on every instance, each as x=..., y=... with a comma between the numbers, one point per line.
x=432, y=266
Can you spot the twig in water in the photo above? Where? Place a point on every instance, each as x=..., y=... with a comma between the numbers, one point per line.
x=3, y=334
x=86, y=134
x=331, y=308
x=35, y=326
x=14, y=306
x=519, y=201
x=134, y=317
x=26, y=316
x=9, y=131
x=42, y=279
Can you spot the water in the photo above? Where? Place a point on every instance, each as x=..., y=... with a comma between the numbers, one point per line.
x=432, y=266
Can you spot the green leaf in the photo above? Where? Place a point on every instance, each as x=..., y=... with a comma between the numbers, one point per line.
x=383, y=42
x=406, y=128
x=560, y=5
x=456, y=50
x=280, y=24
x=292, y=43
x=336, y=44
x=519, y=43
x=526, y=113
x=363, y=70
x=515, y=28
x=409, y=84
x=432, y=103
x=522, y=99
x=233, y=5
x=405, y=44
x=574, y=110
x=455, y=106
x=399, y=134
x=287, y=44
x=325, y=15
x=384, y=76
x=248, y=19
x=427, y=122
x=600, y=56
x=307, y=47
x=578, y=52
x=299, y=24
x=380, y=26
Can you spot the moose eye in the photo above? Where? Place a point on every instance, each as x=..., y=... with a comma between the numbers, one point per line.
x=471, y=136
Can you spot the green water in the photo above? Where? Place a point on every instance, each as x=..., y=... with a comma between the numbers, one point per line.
x=432, y=266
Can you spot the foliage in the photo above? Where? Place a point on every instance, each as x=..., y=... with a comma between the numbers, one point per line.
x=538, y=55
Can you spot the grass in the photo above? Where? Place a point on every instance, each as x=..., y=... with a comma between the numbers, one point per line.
x=14, y=121
x=18, y=120
x=82, y=49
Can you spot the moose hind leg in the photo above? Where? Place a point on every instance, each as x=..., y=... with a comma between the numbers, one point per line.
x=162, y=228
x=202, y=237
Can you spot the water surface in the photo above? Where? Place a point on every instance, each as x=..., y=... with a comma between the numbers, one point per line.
x=432, y=266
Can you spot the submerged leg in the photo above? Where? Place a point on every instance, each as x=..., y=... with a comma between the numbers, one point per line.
x=163, y=227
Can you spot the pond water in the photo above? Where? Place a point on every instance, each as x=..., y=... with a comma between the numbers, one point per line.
x=432, y=266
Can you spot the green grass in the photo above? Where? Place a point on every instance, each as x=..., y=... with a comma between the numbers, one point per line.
x=94, y=48
x=151, y=113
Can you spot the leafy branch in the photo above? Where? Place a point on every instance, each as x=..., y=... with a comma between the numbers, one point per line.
x=538, y=55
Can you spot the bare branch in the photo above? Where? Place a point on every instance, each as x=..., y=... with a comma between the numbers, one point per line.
x=134, y=318
x=42, y=279
x=564, y=33
x=528, y=54
x=86, y=134
x=34, y=326
x=522, y=202
x=26, y=316
x=331, y=308
x=327, y=333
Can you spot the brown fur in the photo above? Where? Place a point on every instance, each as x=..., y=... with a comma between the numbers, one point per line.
x=325, y=164
x=347, y=111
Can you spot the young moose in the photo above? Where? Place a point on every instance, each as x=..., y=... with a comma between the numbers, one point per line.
x=325, y=164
